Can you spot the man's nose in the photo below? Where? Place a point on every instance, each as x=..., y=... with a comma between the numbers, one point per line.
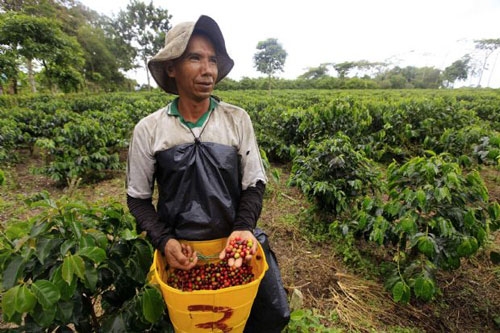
x=209, y=66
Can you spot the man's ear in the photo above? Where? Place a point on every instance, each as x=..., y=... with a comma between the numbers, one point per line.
x=170, y=68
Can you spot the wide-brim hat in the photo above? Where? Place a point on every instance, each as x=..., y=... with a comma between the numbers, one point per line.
x=176, y=41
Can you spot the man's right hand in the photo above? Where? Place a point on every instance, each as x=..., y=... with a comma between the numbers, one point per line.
x=180, y=255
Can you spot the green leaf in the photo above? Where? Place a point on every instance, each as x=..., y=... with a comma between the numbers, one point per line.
x=17, y=230
x=25, y=299
x=136, y=271
x=91, y=276
x=421, y=198
x=96, y=254
x=13, y=271
x=73, y=265
x=408, y=225
x=143, y=253
x=467, y=247
x=128, y=234
x=100, y=237
x=9, y=302
x=115, y=324
x=452, y=178
x=75, y=226
x=44, y=317
x=362, y=220
x=87, y=241
x=44, y=246
x=494, y=211
x=297, y=315
x=67, y=246
x=39, y=229
x=67, y=270
x=393, y=208
x=65, y=311
x=469, y=219
x=445, y=227
x=424, y=288
x=442, y=193
x=66, y=290
x=426, y=246
x=153, y=305
x=401, y=292
x=452, y=262
x=46, y=292
x=481, y=235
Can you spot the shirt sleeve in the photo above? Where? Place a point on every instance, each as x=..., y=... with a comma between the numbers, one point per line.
x=250, y=207
x=141, y=163
x=251, y=160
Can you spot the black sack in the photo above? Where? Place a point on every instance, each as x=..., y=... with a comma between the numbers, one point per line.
x=270, y=311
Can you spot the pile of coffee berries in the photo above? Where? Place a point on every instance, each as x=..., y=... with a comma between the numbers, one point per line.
x=237, y=250
x=211, y=276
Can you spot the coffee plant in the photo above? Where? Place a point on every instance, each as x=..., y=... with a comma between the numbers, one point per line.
x=77, y=265
x=82, y=148
x=10, y=135
x=488, y=150
x=434, y=216
x=334, y=175
x=305, y=320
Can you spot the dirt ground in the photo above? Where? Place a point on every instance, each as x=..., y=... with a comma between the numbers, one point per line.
x=470, y=300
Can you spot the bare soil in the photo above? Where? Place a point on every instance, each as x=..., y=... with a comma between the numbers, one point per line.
x=470, y=300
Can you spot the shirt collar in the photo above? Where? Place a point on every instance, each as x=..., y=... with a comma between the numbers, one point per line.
x=174, y=111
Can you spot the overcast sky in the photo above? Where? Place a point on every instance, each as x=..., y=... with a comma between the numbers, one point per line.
x=418, y=33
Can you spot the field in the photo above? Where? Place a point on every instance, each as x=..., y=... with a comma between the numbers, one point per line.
x=339, y=294
x=348, y=301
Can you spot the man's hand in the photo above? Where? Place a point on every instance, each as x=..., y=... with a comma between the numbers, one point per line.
x=244, y=235
x=180, y=255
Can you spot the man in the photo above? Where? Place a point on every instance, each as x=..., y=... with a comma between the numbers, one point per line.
x=203, y=156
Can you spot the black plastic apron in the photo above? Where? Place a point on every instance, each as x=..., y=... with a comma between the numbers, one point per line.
x=199, y=188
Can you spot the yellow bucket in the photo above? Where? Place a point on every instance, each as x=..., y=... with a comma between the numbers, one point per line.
x=221, y=310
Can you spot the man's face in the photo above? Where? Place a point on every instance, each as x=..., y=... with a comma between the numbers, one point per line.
x=196, y=71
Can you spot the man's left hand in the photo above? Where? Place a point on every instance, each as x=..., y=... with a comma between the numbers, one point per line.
x=243, y=235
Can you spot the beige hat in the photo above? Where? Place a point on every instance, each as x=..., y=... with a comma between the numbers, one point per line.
x=176, y=42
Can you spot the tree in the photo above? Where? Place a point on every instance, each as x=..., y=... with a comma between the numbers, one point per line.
x=488, y=46
x=270, y=58
x=8, y=67
x=41, y=39
x=107, y=55
x=314, y=73
x=458, y=70
x=343, y=68
x=143, y=27
x=101, y=67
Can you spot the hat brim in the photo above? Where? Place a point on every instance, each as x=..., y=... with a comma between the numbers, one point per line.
x=175, y=47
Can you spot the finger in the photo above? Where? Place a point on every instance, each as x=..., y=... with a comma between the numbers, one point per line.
x=188, y=251
x=238, y=262
x=194, y=261
x=222, y=254
x=253, y=248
